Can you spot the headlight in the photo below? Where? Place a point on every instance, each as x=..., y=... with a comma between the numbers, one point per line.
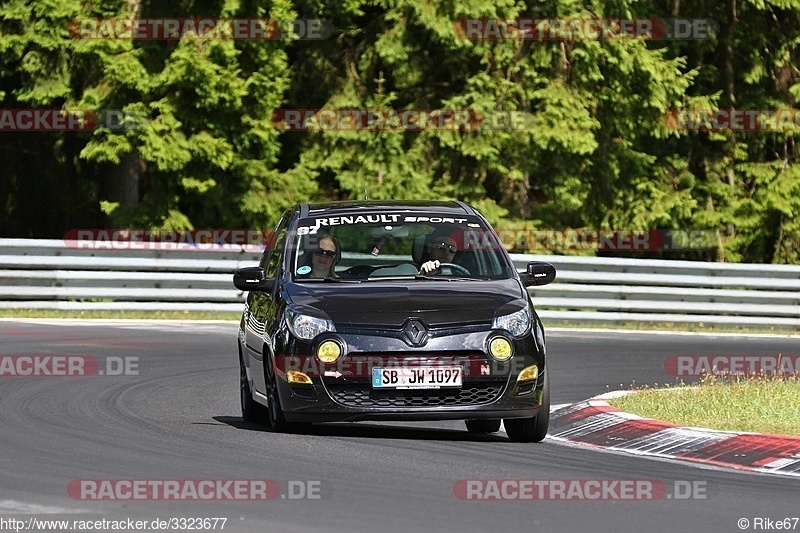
x=517, y=323
x=307, y=327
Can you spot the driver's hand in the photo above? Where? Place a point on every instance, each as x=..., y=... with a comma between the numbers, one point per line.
x=430, y=267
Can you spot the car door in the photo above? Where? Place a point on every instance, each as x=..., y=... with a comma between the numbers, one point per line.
x=265, y=308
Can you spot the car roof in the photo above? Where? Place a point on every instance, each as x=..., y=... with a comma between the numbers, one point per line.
x=450, y=207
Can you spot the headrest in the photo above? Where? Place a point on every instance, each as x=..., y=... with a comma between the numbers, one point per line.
x=418, y=249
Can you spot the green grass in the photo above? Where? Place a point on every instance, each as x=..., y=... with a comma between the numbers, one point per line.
x=130, y=315
x=761, y=404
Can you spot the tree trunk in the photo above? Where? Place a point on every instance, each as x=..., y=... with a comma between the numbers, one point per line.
x=731, y=96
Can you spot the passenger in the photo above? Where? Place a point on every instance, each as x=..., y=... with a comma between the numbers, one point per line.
x=320, y=262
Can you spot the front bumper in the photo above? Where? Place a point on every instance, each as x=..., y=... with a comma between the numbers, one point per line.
x=343, y=391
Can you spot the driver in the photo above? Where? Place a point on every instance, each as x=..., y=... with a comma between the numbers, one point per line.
x=442, y=248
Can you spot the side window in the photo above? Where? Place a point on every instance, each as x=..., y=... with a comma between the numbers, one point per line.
x=276, y=258
x=270, y=245
x=273, y=255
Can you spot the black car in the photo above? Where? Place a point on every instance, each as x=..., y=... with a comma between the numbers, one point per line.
x=390, y=310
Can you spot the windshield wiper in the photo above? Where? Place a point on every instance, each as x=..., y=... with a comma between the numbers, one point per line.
x=327, y=279
x=422, y=277
x=449, y=278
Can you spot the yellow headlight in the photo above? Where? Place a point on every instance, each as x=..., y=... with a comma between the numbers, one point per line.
x=500, y=349
x=293, y=376
x=329, y=351
x=529, y=373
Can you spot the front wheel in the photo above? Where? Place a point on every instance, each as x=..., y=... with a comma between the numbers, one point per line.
x=532, y=429
x=277, y=421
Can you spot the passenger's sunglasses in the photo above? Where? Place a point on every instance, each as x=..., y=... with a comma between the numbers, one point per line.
x=327, y=253
x=444, y=246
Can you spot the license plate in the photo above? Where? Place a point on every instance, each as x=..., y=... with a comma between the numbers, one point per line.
x=419, y=377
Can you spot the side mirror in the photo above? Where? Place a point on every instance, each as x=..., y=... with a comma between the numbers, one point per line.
x=252, y=279
x=539, y=273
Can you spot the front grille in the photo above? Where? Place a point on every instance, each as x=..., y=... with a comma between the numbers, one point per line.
x=362, y=395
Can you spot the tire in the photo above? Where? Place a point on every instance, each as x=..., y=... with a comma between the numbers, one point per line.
x=489, y=425
x=252, y=411
x=275, y=417
x=532, y=429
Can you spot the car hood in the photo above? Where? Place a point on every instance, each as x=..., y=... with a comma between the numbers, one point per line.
x=389, y=304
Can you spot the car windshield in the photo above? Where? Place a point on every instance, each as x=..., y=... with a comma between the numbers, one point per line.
x=393, y=246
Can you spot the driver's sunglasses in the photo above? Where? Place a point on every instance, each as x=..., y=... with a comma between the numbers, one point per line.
x=327, y=253
x=444, y=246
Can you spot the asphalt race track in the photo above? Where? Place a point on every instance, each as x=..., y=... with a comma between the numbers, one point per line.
x=176, y=417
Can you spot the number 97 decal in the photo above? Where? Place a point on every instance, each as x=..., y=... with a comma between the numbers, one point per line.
x=307, y=230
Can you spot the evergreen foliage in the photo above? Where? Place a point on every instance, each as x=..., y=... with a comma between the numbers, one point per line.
x=202, y=150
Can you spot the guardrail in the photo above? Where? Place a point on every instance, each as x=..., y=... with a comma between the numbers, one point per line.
x=47, y=274
x=642, y=290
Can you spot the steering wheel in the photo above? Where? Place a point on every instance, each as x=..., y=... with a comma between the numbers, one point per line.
x=456, y=268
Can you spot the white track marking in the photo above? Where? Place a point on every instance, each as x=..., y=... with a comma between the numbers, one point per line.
x=16, y=507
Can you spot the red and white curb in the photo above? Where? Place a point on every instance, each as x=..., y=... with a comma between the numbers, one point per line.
x=596, y=423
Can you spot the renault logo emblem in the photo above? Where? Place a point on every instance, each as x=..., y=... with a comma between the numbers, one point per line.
x=416, y=333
